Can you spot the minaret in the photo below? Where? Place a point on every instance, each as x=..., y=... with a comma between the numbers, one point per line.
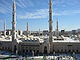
x=39, y=33
x=27, y=30
x=27, y=27
x=4, y=27
x=50, y=21
x=57, y=30
x=14, y=22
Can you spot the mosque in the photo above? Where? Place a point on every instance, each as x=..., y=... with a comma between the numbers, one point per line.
x=38, y=44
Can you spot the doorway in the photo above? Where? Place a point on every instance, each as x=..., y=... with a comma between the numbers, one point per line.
x=45, y=50
x=15, y=48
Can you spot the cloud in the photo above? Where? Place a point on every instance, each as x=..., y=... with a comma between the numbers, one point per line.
x=29, y=2
x=3, y=8
x=41, y=13
x=21, y=3
x=67, y=12
x=6, y=5
x=24, y=3
x=66, y=4
x=3, y=11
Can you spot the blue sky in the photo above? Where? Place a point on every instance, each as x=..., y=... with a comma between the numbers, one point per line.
x=35, y=12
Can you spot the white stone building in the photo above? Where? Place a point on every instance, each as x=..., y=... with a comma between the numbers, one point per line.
x=38, y=44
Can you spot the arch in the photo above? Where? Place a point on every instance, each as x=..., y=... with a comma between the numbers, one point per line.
x=61, y=50
x=15, y=48
x=65, y=50
x=45, y=50
x=77, y=51
x=26, y=50
x=37, y=51
x=69, y=50
x=58, y=50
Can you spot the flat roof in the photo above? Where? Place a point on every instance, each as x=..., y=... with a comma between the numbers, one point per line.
x=64, y=39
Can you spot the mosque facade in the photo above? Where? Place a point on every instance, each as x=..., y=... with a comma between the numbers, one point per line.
x=38, y=44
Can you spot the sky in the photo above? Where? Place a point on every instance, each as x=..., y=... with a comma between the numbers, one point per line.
x=35, y=12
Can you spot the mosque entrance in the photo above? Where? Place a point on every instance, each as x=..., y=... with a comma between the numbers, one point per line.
x=45, y=50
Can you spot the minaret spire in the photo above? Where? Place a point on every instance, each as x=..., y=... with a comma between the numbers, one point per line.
x=27, y=29
x=57, y=29
x=50, y=21
x=14, y=21
x=39, y=32
x=4, y=27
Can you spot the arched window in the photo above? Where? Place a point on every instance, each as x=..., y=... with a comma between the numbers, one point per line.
x=34, y=51
x=58, y=51
x=30, y=50
x=69, y=51
x=76, y=50
x=26, y=50
x=61, y=50
x=37, y=51
x=65, y=50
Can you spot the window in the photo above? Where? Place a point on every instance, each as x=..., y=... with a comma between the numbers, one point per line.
x=69, y=51
x=61, y=50
x=26, y=50
x=76, y=50
x=69, y=45
x=37, y=51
